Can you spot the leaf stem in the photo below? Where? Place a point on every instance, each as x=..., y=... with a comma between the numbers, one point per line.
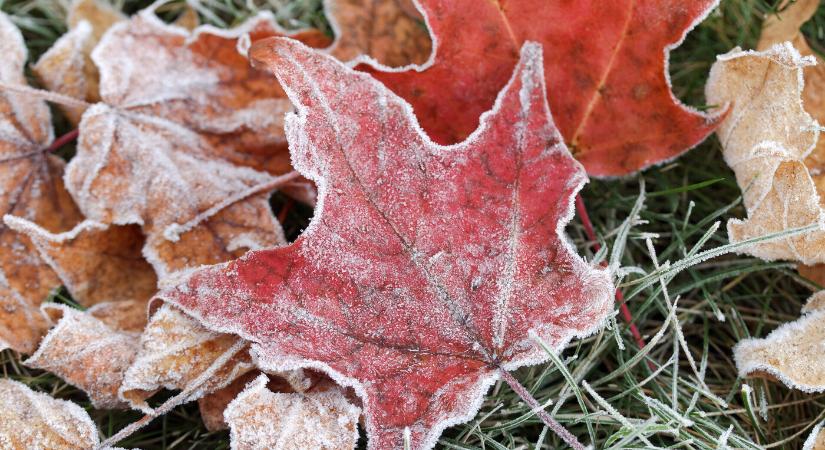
x=63, y=140
x=531, y=401
x=591, y=235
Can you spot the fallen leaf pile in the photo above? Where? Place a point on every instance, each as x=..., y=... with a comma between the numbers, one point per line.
x=442, y=145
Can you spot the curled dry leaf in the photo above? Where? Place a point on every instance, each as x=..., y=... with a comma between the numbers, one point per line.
x=32, y=420
x=95, y=262
x=816, y=440
x=213, y=405
x=420, y=324
x=31, y=186
x=767, y=139
x=186, y=137
x=174, y=351
x=392, y=32
x=260, y=419
x=67, y=67
x=87, y=353
x=792, y=353
x=609, y=92
x=783, y=27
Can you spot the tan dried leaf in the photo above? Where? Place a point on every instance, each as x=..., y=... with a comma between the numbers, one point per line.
x=31, y=187
x=392, y=32
x=128, y=316
x=261, y=419
x=185, y=121
x=785, y=27
x=95, y=262
x=67, y=66
x=816, y=440
x=792, y=353
x=212, y=405
x=32, y=420
x=87, y=353
x=174, y=351
x=766, y=139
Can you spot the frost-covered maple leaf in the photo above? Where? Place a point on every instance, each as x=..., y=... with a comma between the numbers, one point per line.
x=31, y=186
x=605, y=63
x=427, y=271
x=186, y=142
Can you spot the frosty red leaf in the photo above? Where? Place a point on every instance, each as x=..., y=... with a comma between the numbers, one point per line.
x=426, y=268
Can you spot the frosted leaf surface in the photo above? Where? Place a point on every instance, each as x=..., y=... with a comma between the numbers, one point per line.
x=419, y=323
x=767, y=139
x=31, y=187
x=95, y=262
x=816, y=440
x=213, y=405
x=34, y=421
x=87, y=353
x=67, y=67
x=175, y=350
x=186, y=130
x=782, y=27
x=605, y=63
x=792, y=353
x=260, y=419
x=392, y=32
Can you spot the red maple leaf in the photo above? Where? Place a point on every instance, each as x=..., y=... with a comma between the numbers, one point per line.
x=606, y=69
x=427, y=271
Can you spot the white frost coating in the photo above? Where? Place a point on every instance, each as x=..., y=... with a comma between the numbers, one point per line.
x=792, y=353
x=814, y=438
x=723, y=439
x=86, y=353
x=38, y=421
x=262, y=420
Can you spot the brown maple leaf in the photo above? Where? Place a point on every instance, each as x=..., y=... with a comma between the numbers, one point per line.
x=67, y=66
x=33, y=420
x=391, y=32
x=31, y=186
x=97, y=263
x=87, y=352
x=419, y=322
x=186, y=142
